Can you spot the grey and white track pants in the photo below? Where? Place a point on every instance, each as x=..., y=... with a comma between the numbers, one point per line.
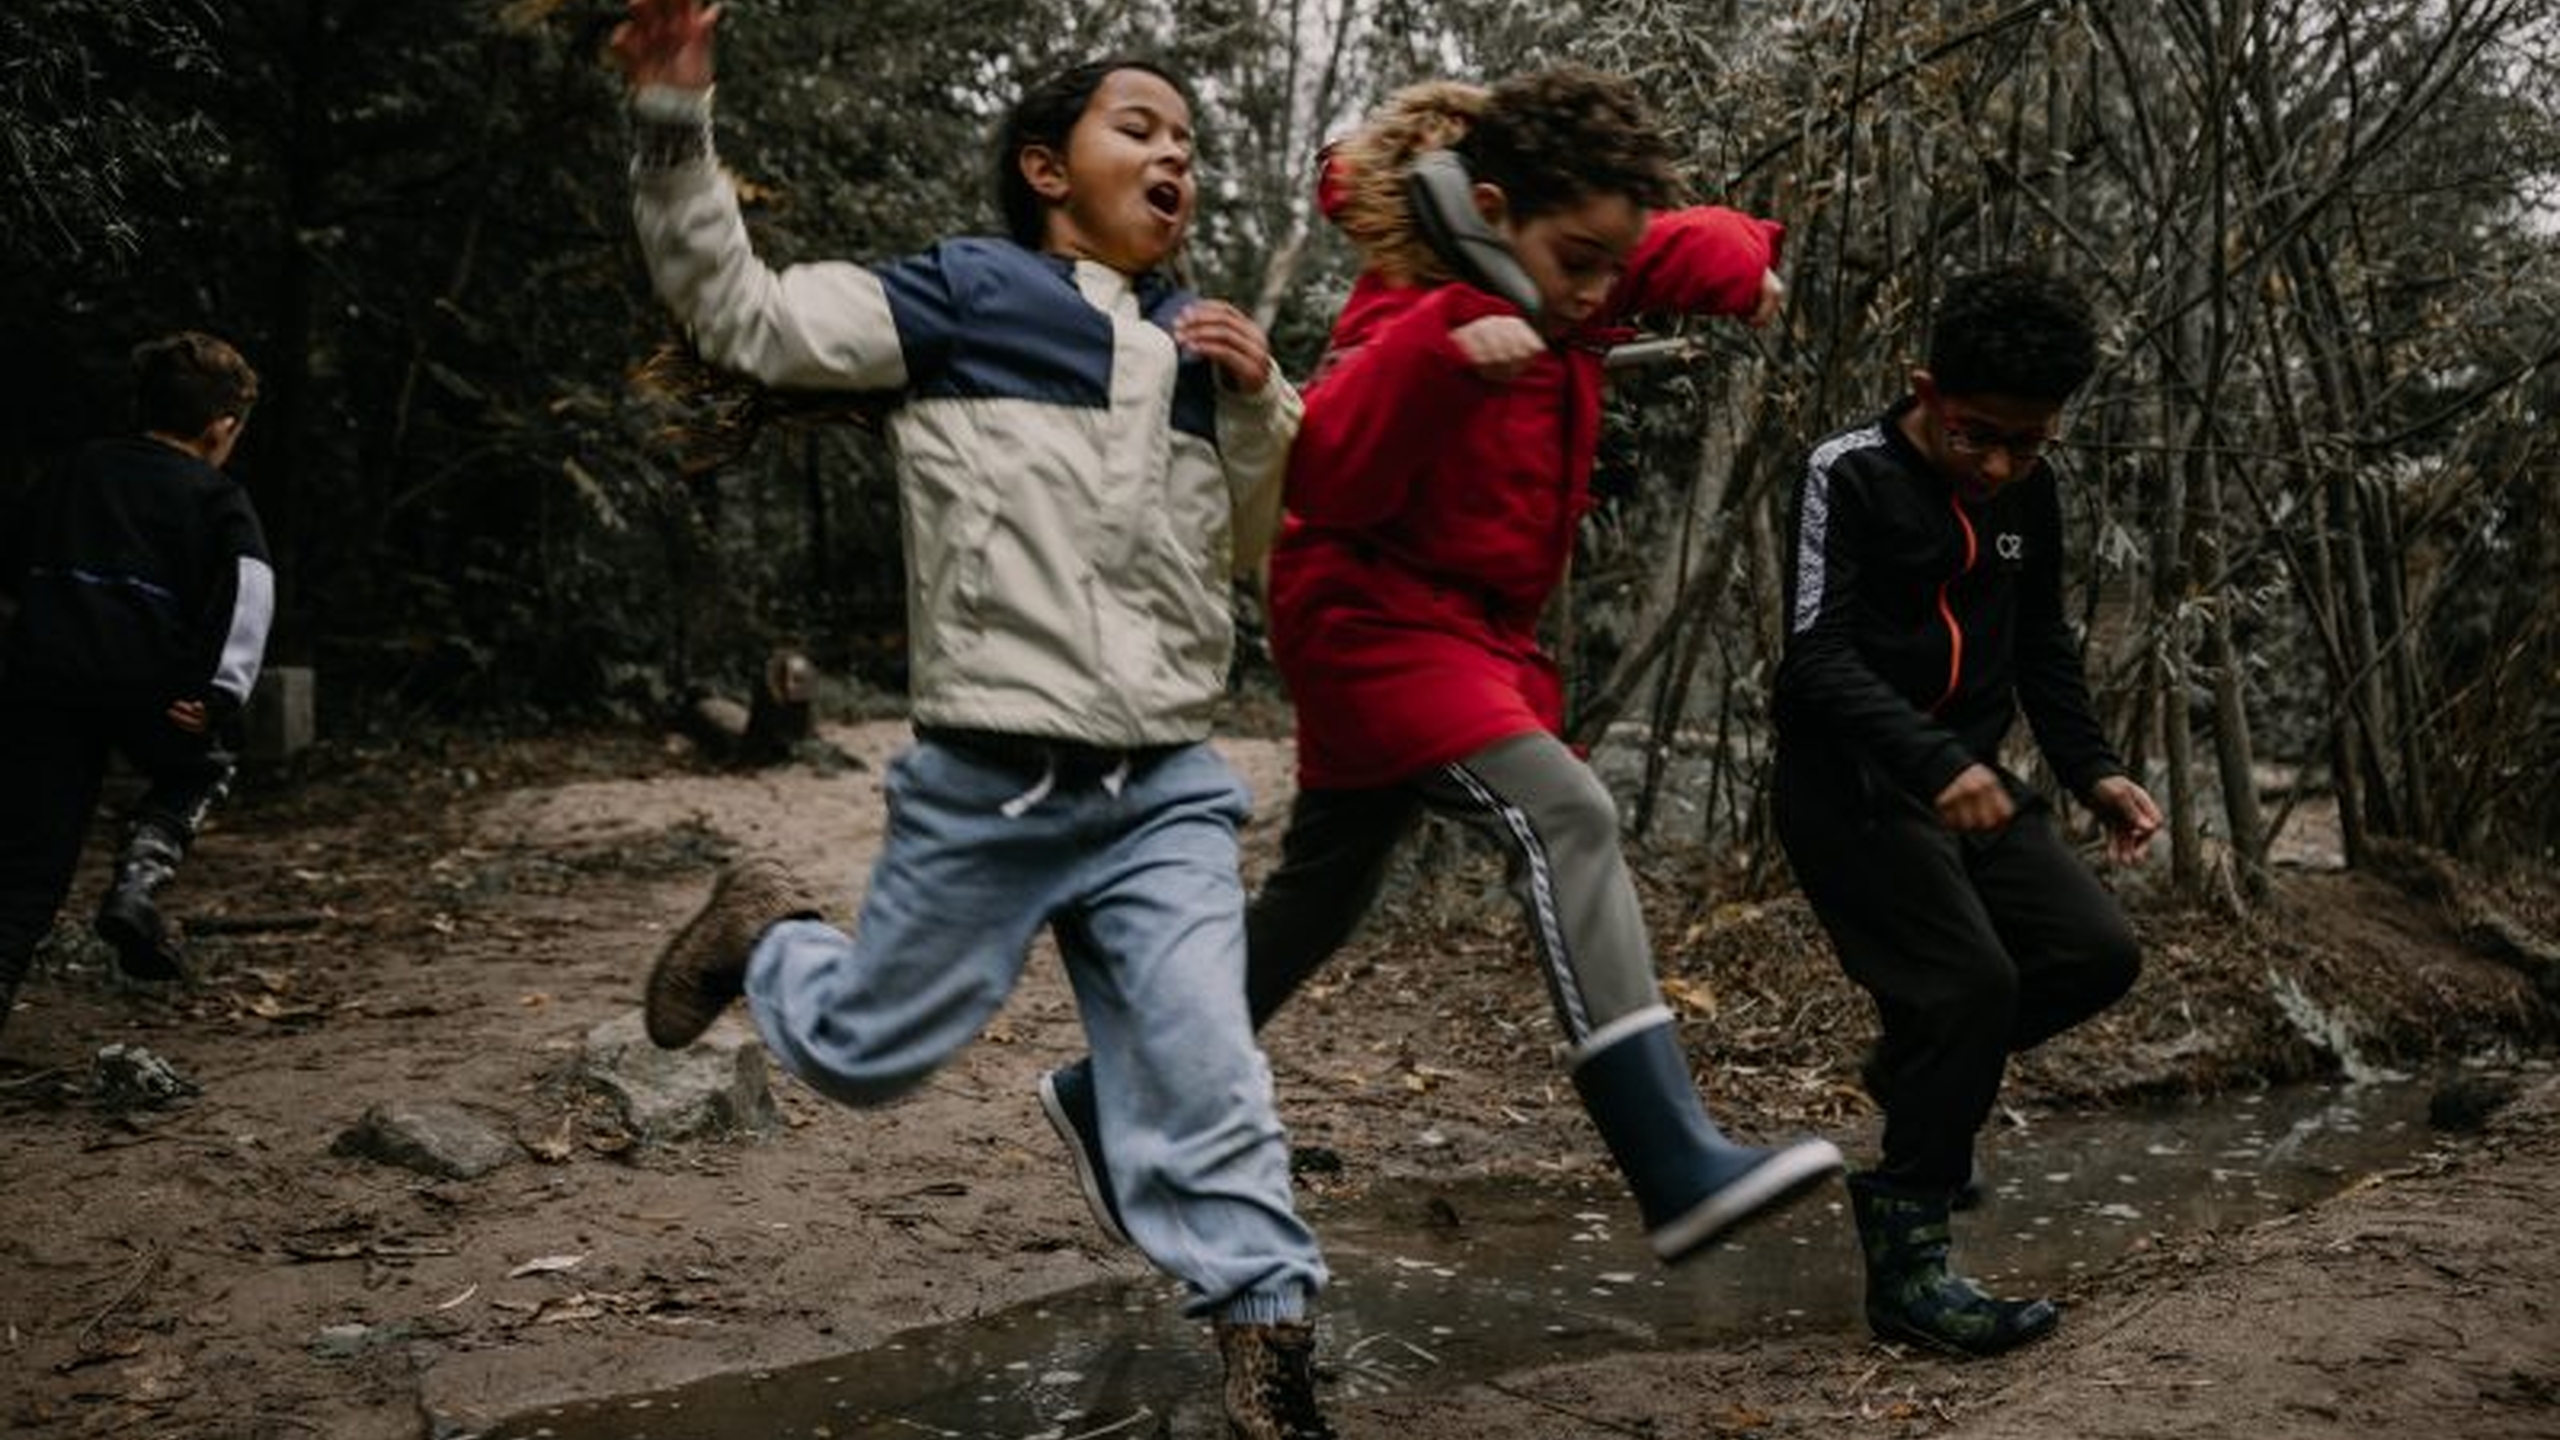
x=1557, y=828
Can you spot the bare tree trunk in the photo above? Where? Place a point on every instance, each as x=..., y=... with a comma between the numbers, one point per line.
x=2391, y=614
x=2170, y=601
x=2235, y=761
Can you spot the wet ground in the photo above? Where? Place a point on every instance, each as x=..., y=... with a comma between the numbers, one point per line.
x=450, y=922
x=1442, y=1286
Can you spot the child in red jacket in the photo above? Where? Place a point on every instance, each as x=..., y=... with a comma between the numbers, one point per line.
x=1435, y=489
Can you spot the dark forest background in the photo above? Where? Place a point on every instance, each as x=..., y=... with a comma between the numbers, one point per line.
x=2312, y=487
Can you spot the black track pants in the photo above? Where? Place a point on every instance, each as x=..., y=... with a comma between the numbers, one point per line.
x=53, y=761
x=1973, y=947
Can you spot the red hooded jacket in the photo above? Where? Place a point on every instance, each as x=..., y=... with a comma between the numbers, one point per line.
x=1432, y=511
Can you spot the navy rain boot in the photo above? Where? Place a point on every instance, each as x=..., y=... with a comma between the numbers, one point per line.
x=1691, y=1184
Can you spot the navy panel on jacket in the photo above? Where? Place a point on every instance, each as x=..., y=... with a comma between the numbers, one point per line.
x=1195, y=385
x=982, y=318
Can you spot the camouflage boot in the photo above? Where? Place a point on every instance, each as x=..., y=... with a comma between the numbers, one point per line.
x=1911, y=1295
x=1271, y=1381
x=705, y=966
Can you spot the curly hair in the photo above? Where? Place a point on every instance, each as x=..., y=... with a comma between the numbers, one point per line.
x=1553, y=138
x=1549, y=139
x=2016, y=331
x=1371, y=166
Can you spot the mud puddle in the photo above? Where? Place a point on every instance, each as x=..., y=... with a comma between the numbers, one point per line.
x=1440, y=1286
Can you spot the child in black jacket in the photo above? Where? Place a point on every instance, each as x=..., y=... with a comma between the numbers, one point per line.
x=142, y=600
x=1924, y=613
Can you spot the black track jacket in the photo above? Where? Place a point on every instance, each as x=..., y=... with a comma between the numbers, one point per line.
x=1918, y=625
x=141, y=577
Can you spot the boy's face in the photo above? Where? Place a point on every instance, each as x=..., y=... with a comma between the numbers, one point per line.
x=1575, y=255
x=1981, y=443
x=1123, y=192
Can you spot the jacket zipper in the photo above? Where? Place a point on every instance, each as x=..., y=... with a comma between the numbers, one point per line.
x=1946, y=605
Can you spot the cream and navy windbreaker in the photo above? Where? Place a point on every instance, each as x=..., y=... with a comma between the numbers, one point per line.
x=1077, y=496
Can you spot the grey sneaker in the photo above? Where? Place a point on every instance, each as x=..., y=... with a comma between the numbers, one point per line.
x=705, y=966
x=1066, y=1097
x=1271, y=1382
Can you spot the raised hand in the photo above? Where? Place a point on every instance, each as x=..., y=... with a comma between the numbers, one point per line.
x=1228, y=339
x=2132, y=817
x=1499, y=346
x=666, y=42
x=1773, y=296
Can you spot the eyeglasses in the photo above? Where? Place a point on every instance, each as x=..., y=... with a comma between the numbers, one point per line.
x=1972, y=437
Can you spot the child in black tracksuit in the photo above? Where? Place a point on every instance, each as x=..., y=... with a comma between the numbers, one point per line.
x=143, y=596
x=1924, y=612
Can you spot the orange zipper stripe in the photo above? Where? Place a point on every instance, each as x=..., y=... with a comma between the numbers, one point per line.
x=1947, y=611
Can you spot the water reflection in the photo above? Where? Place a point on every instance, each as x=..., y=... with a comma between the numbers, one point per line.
x=1437, y=1286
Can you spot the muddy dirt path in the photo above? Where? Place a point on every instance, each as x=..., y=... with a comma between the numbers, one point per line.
x=450, y=925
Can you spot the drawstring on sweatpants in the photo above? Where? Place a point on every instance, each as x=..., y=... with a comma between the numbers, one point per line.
x=1114, y=781
x=1014, y=808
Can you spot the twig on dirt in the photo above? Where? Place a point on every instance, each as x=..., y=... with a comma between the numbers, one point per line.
x=1115, y=1427
x=1354, y=1354
x=143, y=1137
x=1567, y=1411
x=145, y=1270
x=25, y=1082
x=255, y=924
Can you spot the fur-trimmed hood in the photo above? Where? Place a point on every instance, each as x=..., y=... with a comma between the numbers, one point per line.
x=1361, y=179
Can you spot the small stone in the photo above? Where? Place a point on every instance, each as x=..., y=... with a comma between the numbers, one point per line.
x=430, y=1136
x=349, y=1340
x=2463, y=1105
x=128, y=1077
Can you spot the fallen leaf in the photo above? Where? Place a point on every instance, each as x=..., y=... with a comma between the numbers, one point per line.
x=1695, y=996
x=557, y=1146
x=574, y=1307
x=267, y=1007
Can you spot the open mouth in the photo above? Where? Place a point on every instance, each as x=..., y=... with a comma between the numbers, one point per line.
x=1165, y=199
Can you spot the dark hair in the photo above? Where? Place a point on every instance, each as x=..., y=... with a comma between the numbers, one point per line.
x=1551, y=138
x=1045, y=115
x=2012, y=331
x=184, y=381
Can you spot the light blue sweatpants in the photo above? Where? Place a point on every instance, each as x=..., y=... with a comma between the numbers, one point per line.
x=1137, y=876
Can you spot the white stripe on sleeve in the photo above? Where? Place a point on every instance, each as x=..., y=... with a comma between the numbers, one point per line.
x=1813, y=523
x=253, y=610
